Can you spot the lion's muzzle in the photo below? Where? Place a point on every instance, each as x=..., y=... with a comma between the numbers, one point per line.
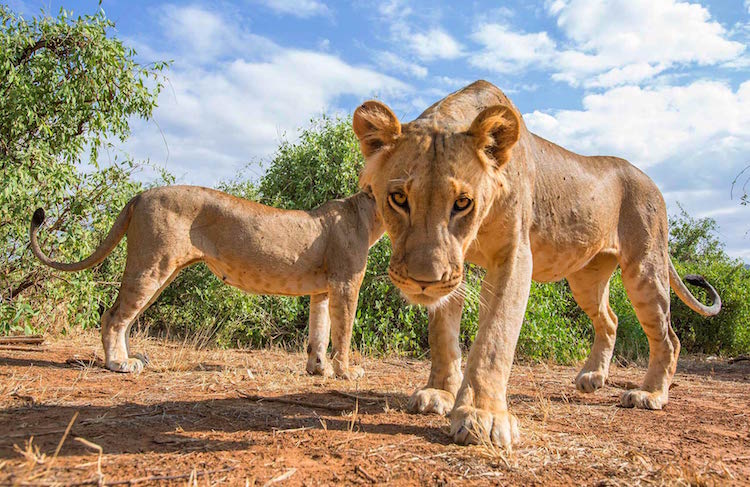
x=426, y=292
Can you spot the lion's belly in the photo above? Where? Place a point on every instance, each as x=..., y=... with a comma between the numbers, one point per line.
x=554, y=261
x=555, y=264
x=270, y=279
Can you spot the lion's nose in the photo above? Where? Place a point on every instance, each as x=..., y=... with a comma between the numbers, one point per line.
x=425, y=280
x=425, y=284
x=427, y=268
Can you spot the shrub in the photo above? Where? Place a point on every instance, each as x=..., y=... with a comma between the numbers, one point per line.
x=68, y=88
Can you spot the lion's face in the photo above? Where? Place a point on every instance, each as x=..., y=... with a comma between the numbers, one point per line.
x=433, y=189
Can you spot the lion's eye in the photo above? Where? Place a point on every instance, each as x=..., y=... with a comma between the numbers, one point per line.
x=399, y=199
x=461, y=203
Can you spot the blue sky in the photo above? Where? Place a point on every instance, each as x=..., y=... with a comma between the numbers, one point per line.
x=662, y=83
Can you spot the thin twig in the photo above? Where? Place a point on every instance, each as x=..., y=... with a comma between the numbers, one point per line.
x=157, y=478
x=281, y=477
x=295, y=402
x=356, y=397
x=363, y=473
x=62, y=440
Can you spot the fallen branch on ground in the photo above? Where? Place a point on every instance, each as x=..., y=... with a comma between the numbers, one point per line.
x=297, y=402
x=22, y=340
x=23, y=349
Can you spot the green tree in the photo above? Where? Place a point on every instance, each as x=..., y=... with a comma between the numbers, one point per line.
x=67, y=88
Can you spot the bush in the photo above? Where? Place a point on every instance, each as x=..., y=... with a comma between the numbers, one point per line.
x=67, y=88
x=697, y=250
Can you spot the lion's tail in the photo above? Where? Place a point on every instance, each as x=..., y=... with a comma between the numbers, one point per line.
x=110, y=241
x=686, y=296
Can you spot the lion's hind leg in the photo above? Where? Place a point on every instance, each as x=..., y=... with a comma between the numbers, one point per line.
x=141, y=285
x=590, y=287
x=646, y=281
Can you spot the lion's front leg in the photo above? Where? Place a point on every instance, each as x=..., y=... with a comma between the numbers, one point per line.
x=481, y=410
x=342, y=309
x=317, y=343
x=445, y=375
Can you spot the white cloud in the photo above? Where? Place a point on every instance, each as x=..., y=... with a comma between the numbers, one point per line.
x=434, y=44
x=391, y=62
x=650, y=125
x=506, y=51
x=659, y=33
x=220, y=112
x=610, y=43
x=718, y=212
x=628, y=74
x=203, y=35
x=200, y=29
x=428, y=42
x=297, y=8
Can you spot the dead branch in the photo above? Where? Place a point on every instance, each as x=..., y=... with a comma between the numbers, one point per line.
x=22, y=339
x=296, y=402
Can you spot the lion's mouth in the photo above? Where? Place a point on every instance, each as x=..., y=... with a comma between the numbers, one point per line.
x=427, y=294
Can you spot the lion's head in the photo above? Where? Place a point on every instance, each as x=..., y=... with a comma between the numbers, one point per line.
x=434, y=183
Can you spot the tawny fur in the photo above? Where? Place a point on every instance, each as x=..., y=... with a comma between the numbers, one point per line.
x=539, y=212
x=253, y=247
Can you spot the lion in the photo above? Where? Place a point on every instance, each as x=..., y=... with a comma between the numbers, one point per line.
x=253, y=247
x=467, y=182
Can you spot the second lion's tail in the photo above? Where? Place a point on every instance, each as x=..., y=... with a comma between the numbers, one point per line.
x=687, y=297
x=110, y=241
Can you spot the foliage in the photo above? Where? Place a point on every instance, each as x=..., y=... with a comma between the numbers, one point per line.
x=696, y=249
x=66, y=88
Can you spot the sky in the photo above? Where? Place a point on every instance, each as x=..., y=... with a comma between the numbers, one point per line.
x=662, y=83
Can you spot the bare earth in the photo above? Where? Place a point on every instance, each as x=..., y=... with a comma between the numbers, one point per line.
x=255, y=417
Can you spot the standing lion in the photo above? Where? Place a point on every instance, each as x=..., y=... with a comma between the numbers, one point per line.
x=467, y=181
x=257, y=248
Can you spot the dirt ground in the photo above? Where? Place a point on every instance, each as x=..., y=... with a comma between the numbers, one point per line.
x=254, y=417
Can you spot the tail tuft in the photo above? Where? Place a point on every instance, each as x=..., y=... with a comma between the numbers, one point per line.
x=696, y=280
x=38, y=218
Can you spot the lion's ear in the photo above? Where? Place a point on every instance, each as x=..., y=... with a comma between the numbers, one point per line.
x=496, y=130
x=376, y=127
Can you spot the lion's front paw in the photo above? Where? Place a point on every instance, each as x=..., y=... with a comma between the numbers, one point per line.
x=590, y=381
x=470, y=425
x=132, y=365
x=319, y=366
x=353, y=372
x=428, y=400
x=643, y=399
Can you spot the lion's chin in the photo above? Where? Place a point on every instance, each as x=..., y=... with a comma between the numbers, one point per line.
x=429, y=301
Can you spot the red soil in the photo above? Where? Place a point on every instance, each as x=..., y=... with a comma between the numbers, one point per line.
x=254, y=417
